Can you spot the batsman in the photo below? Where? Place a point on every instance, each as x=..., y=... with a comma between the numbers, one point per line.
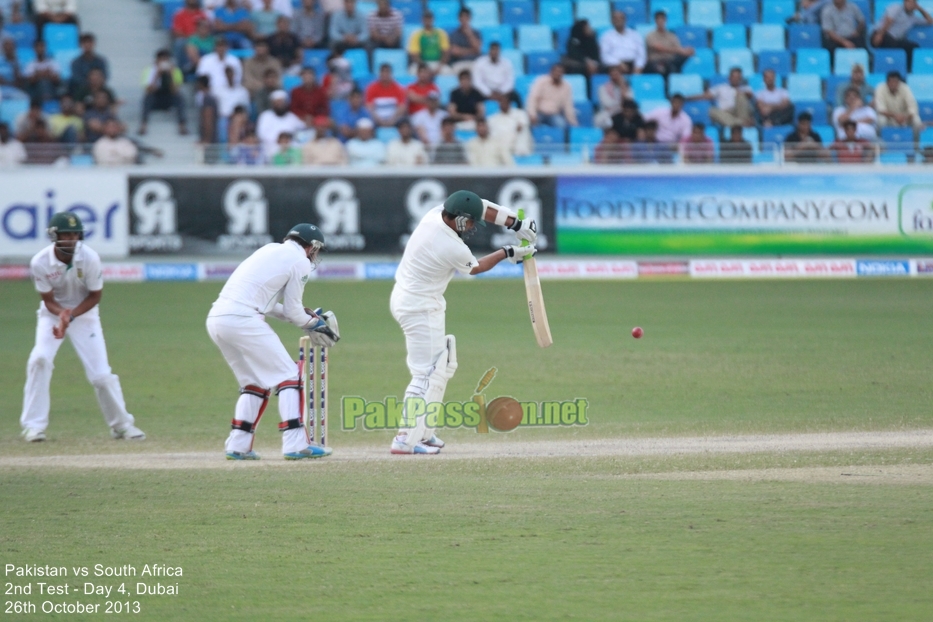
x=434, y=254
x=270, y=282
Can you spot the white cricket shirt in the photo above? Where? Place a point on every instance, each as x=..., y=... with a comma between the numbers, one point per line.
x=271, y=281
x=69, y=283
x=433, y=255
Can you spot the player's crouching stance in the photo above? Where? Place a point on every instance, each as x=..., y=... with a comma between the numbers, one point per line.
x=433, y=255
x=68, y=277
x=270, y=282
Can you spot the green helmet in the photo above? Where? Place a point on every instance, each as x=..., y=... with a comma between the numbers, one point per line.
x=65, y=222
x=306, y=233
x=465, y=203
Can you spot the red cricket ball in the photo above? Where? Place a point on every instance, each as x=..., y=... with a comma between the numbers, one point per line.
x=637, y=332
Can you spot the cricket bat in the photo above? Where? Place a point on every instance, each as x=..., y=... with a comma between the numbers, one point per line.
x=535, y=298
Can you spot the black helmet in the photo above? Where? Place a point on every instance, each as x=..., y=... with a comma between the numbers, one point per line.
x=464, y=203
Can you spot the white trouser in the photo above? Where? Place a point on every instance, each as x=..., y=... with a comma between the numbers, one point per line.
x=257, y=357
x=425, y=340
x=87, y=338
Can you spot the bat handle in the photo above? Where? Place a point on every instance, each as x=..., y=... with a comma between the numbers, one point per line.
x=521, y=216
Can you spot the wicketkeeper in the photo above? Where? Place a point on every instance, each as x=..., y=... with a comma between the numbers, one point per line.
x=270, y=282
x=435, y=252
x=68, y=277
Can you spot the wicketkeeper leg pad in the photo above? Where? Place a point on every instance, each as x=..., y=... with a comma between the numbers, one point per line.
x=249, y=409
x=294, y=435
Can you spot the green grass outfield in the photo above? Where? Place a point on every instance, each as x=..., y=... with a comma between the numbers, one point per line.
x=667, y=537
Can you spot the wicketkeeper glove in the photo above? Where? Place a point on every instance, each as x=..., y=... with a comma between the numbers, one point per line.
x=323, y=329
x=526, y=229
x=516, y=254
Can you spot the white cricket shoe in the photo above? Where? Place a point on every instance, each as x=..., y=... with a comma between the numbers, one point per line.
x=399, y=447
x=130, y=432
x=434, y=442
x=34, y=436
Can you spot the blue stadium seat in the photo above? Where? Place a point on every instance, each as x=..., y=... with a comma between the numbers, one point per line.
x=922, y=36
x=756, y=82
x=23, y=35
x=241, y=54
x=650, y=105
x=777, y=11
x=923, y=61
x=804, y=36
x=692, y=36
x=880, y=6
x=540, y=62
x=504, y=34
x=863, y=7
x=25, y=56
x=359, y=61
x=290, y=82
x=698, y=111
x=596, y=12
x=63, y=58
x=926, y=138
x=465, y=135
x=411, y=10
x=635, y=12
x=566, y=159
x=644, y=29
x=562, y=35
x=686, y=84
x=702, y=63
x=596, y=81
x=397, y=58
x=6, y=71
x=647, y=86
x=843, y=60
x=778, y=60
x=447, y=83
x=518, y=60
x=585, y=136
x=921, y=85
x=673, y=8
x=578, y=86
x=894, y=157
x=168, y=12
x=813, y=60
x=706, y=13
x=446, y=13
x=387, y=134
x=554, y=14
x=535, y=38
x=365, y=7
x=10, y=109
x=549, y=139
x=816, y=108
x=741, y=58
x=897, y=138
x=832, y=85
x=484, y=13
x=827, y=133
x=744, y=12
x=751, y=134
x=884, y=61
x=766, y=37
x=729, y=36
x=584, y=113
x=60, y=37
x=775, y=134
x=317, y=60
x=518, y=12
x=804, y=87
x=529, y=160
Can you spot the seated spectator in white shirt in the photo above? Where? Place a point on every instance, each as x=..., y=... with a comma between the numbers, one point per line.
x=610, y=95
x=674, y=125
x=365, y=149
x=427, y=121
x=277, y=119
x=112, y=149
x=42, y=76
x=406, y=150
x=896, y=104
x=856, y=110
x=230, y=95
x=492, y=73
x=484, y=150
x=324, y=149
x=773, y=102
x=12, y=152
x=550, y=100
x=214, y=66
x=512, y=126
x=622, y=46
x=733, y=101
x=665, y=54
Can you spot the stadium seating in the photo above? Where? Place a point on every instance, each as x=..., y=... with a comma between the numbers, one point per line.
x=804, y=87
x=739, y=57
x=411, y=10
x=744, y=12
x=692, y=36
x=359, y=60
x=578, y=86
x=880, y=6
x=445, y=84
x=634, y=10
x=813, y=60
x=585, y=136
x=23, y=35
x=502, y=34
x=485, y=13
x=815, y=108
x=766, y=37
x=698, y=111
x=397, y=58
x=686, y=84
x=706, y=13
x=673, y=8
x=63, y=58
x=518, y=60
x=897, y=138
x=921, y=85
x=446, y=13
x=517, y=12
x=553, y=14
x=541, y=62
x=60, y=37
x=884, y=61
x=317, y=60
x=647, y=86
x=562, y=35
x=729, y=36
x=803, y=36
x=596, y=12
x=702, y=63
x=926, y=111
x=775, y=134
x=584, y=112
x=549, y=139
x=926, y=138
x=843, y=59
x=776, y=60
x=777, y=11
x=922, y=61
x=535, y=38
x=922, y=36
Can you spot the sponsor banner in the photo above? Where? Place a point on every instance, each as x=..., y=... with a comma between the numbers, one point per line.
x=216, y=271
x=776, y=213
x=772, y=268
x=663, y=268
x=14, y=273
x=921, y=267
x=587, y=269
x=171, y=271
x=340, y=271
x=879, y=267
x=358, y=213
x=123, y=272
x=29, y=199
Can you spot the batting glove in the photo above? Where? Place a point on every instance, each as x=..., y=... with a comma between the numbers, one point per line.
x=526, y=229
x=516, y=254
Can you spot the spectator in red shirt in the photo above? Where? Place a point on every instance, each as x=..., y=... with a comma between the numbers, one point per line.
x=184, y=25
x=309, y=100
x=385, y=98
x=418, y=91
x=852, y=149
